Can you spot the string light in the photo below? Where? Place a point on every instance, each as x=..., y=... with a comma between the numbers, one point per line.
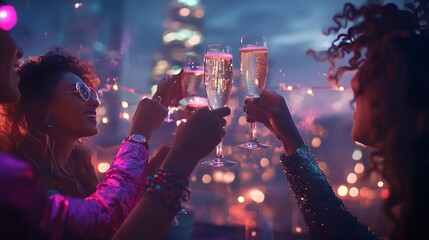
x=78, y=5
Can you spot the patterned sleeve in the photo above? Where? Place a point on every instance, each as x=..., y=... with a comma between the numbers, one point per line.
x=99, y=215
x=325, y=214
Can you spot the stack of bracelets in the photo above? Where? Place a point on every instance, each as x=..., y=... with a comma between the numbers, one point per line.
x=170, y=185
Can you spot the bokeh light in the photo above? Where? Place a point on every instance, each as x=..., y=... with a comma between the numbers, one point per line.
x=8, y=17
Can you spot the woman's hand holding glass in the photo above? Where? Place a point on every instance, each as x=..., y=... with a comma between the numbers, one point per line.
x=253, y=74
x=168, y=92
x=271, y=110
x=196, y=138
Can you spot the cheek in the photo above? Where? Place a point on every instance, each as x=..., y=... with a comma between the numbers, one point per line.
x=362, y=127
x=67, y=114
x=9, y=91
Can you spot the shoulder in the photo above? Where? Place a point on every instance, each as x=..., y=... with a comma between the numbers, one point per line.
x=11, y=168
x=18, y=180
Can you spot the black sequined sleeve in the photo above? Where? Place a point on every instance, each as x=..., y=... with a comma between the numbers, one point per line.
x=325, y=214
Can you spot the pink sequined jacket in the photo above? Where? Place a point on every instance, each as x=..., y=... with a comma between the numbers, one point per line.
x=99, y=215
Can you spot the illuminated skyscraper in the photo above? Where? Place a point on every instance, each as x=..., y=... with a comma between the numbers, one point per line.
x=182, y=36
x=377, y=2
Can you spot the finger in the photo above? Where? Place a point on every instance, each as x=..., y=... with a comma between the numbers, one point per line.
x=250, y=119
x=251, y=110
x=166, y=87
x=177, y=87
x=265, y=93
x=222, y=112
x=272, y=92
x=157, y=98
x=221, y=122
x=262, y=106
x=222, y=134
x=248, y=101
x=245, y=109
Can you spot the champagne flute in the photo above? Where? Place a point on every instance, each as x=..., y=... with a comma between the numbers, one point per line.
x=218, y=77
x=193, y=91
x=253, y=74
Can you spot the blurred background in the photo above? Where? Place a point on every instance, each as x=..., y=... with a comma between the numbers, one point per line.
x=134, y=43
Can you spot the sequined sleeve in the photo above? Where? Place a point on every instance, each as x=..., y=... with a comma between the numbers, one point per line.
x=325, y=214
x=100, y=215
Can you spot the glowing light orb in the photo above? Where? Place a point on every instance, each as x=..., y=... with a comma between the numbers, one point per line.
x=359, y=168
x=124, y=104
x=357, y=155
x=206, y=179
x=264, y=162
x=353, y=192
x=342, y=190
x=351, y=178
x=78, y=5
x=8, y=17
x=103, y=167
x=257, y=195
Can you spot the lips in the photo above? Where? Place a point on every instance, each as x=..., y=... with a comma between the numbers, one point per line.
x=91, y=115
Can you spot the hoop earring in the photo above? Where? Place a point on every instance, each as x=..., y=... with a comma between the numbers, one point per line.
x=49, y=121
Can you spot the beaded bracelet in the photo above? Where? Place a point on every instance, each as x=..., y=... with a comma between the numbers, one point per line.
x=169, y=184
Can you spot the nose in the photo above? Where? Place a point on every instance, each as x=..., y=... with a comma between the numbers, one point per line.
x=94, y=101
x=19, y=53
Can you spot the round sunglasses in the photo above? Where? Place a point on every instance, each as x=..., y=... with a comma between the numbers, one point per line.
x=83, y=90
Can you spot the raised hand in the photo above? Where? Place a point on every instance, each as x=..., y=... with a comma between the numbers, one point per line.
x=196, y=138
x=169, y=90
x=271, y=110
x=148, y=117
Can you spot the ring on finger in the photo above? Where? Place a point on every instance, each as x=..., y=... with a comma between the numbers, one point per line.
x=157, y=98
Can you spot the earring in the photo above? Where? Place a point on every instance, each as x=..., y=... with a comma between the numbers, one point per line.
x=49, y=121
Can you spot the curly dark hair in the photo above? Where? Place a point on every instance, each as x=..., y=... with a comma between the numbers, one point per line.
x=389, y=46
x=24, y=122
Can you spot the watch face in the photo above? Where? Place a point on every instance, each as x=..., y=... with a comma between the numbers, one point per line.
x=138, y=138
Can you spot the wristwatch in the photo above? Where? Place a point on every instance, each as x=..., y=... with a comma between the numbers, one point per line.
x=137, y=138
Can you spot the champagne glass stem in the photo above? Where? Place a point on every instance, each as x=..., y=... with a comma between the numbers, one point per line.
x=219, y=150
x=253, y=131
x=169, y=118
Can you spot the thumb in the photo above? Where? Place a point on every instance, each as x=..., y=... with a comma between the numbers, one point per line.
x=222, y=112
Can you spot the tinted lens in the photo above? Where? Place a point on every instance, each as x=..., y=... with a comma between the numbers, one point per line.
x=93, y=93
x=83, y=90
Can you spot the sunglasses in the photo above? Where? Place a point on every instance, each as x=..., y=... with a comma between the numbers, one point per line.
x=83, y=90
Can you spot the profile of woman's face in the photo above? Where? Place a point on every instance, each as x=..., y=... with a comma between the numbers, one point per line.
x=10, y=53
x=73, y=117
x=362, y=125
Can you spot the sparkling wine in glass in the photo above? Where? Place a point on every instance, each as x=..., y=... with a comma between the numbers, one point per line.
x=253, y=74
x=218, y=77
x=193, y=91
